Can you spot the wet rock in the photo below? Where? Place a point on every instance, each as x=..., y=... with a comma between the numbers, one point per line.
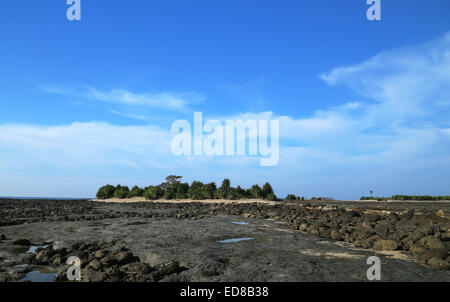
x=426, y=255
x=119, y=258
x=22, y=242
x=437, y=263
x=431, y=242
x=61, y=274
x=393, y=216
x=335, y=235
x=100, y=254
x=407, y=215
x=2, y=237
x=113, y=274
x=353, y=213
x=303, y=227
x=441, y=213
x=166, y=269
x=95, y=264
x=385, y=245
x=136, y=268
x=43, y=257
x=57, y=260
x=416, y=248
x=90, y=275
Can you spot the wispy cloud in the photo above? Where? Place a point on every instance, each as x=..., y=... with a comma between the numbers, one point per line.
x=170, y=101
x=163, y=100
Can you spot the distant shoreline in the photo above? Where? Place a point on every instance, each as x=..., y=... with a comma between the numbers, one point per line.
x=142, y=199
x=45, y=198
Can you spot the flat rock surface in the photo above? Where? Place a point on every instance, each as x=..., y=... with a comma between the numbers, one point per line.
x=276, y=253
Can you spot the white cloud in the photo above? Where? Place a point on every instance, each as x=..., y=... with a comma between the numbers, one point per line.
x=164, y=100
x=172, y=101
x=406, y=82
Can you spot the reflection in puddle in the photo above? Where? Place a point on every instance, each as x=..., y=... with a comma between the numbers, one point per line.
x=232, y=240
x=37, y=276
x=240, y=223
x=33, y=248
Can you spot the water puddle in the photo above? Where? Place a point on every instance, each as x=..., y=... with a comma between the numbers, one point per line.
x=37, y=276
x=240, y=223
x=33, y=248
x=233, y=240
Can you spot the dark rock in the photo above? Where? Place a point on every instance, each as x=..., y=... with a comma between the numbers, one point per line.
x=426, y=255
x=22, y=242
x=407, y=215
x=2, y=237
x=57, y=260
x=437, y=263
x=166, y=269
x=95, y=264
x=90, y=275
x=61, y=274
x=431, y=242
x=100, y=254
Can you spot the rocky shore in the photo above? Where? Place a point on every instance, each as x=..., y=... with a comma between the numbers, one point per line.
x=151, y=241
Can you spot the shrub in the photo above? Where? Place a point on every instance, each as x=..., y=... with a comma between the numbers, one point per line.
x=242, y=193
x=106, y=192
x=224, y=188
x=121, y=192
x=291, y=197
x=152, y=192
x=176, y=190
x=256, y=191
x=266, y=190
x=272, y=197
x=136, y=192
x=232, y=194
x=209, y=190
x=196, y=191
x=170, y=193
x=181, y=190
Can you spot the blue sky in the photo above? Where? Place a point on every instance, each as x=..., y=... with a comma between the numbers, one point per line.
x=362, y=105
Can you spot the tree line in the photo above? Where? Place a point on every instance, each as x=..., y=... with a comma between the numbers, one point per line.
x=173, y=188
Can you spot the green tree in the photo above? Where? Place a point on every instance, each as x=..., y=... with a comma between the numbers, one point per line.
x=195, y=191
x=121, y=192
x=291, y=197
x=256, y=191
x=136, y=192
x=106, y=192
x=209, y=190
x=232, y=194
x=266, y=190
x=241, y=192
x=170, y=180
x=170, y=193
x=153, y=192
x=272, y=197
x=224, y=188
